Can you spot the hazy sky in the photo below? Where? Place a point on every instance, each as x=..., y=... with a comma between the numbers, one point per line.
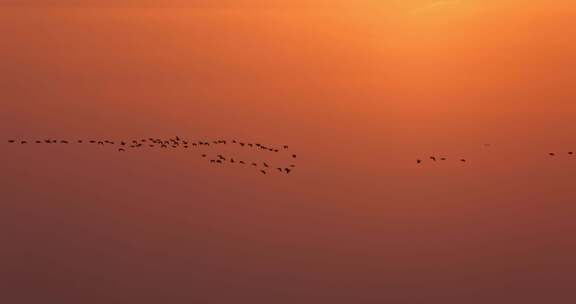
x=359, y=89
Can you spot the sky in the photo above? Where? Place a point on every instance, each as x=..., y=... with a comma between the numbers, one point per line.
x=358, y=89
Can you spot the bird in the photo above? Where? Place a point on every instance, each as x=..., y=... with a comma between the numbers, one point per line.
x=443, y=158
x=570, y=153
x=265, y=165
x=292, y=166
x=463, y=160
x=263, y=171
x=23, y=142
x=433, y=158
x=242, y=144
x=203, y=155
x=293, y=155
x=38, y=141
x=122, y=150
x=79, y=141
x=11, y=141
x=279, y=169
x=287, y=170
x=552, y=154
x=254, y=164
x=418, y=161
x=285, y=147
x=242, y=162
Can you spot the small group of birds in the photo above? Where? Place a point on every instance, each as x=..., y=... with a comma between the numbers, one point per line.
x=556, y=154
x=175, y=142
x=262, y=166
x=435, y=159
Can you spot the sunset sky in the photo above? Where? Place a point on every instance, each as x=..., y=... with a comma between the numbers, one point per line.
x=359, y=89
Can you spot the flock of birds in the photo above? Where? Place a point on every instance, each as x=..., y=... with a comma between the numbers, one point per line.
x=179, y=143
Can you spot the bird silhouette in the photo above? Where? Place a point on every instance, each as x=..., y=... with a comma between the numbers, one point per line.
x=418, y=161
x=552, y=154
x=433, y=158
x=263, y=171
x=11, y=141
x=293, y=155
x=287, y=170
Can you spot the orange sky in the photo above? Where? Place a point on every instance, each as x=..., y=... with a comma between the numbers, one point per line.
x=359, y=89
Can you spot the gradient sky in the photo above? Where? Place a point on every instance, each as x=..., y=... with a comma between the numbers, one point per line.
x=359, y=89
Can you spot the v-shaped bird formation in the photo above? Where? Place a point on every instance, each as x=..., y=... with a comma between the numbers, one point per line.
x=177, y=142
